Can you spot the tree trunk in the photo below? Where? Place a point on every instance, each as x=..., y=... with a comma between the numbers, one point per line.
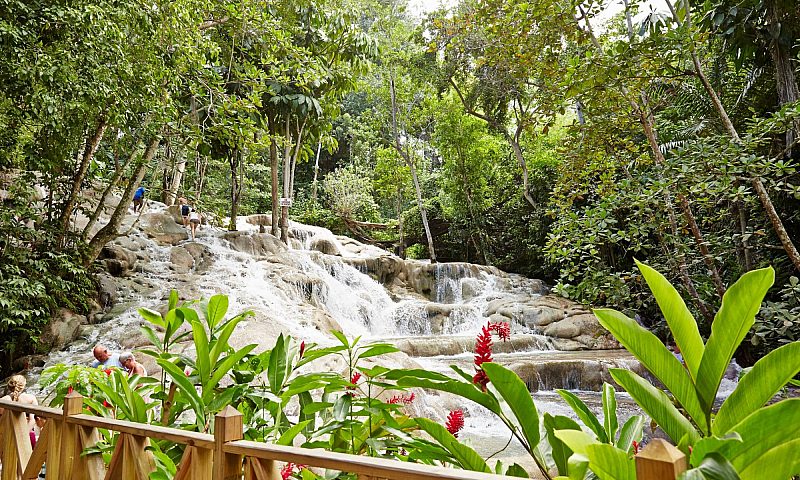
x=80, y=175
x=287, y=179
x=701, y=244
x=785, y=80
x=110, y=230
x=177, y=177
x=120, y=170
x=401, y=252
x=316, y=172
x=273, y=165
x=515, y=147
x=407, y=158
x=234, y=160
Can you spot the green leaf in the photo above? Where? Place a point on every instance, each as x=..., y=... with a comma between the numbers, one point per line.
x=276, y=371
x=173, y=299
x=466, y=390
x=578, y=465
x=516, y=470
x=711, y=444
x=631, y=430
x=216, y=310
x=152, y=316
x=222, y=368
x=466, y=457
x=288, y=436
x=757, y=386
x=341, y=409
x=736, y=316
x=187, y=389
x=680, y=320
x=763, y=433
x=610, y=412
x=379, y=349
x=610, y=463
x=656, y=404
x=649, y=350
x=778, y=463
x=587, y=417
x=559, y=450
x=513, y=390
x=203, y=361
x=713, y=467
x=221, y=343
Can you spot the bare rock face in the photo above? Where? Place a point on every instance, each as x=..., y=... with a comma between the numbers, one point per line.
x=190, y=257
x=62, y=329
x=263, y=220
x=256, y=244
x=325, y=245
x=163, y=229
x=118, y=260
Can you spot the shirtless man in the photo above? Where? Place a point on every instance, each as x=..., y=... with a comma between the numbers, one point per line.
x=130, y=364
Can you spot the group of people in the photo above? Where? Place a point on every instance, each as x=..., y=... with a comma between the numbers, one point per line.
x=190, y=215
x=125, y=361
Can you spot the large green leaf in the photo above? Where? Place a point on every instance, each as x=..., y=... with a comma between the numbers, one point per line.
x=221, y=343
x=223, y=367
x=680, y=320
x=466, y=457
x=559, y=450
x=655, y=356
x=713, y=467
x=631, y=430
x=513, y=390
x=203, y=361
x=779, y=463
x=587, y=417
x=656, y=404
x=764, y=432
x=576, y=440
x=610, y=463
x=758, y=385
x=735, y=317
x=462, y=389
x=610, y=412
x=708, y=445
x=187, y=389
x=276, y=371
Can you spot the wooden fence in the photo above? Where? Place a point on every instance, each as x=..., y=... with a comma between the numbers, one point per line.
x=222, y=456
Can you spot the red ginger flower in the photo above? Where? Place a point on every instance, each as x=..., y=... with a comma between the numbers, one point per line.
x=503, y=330
x=455, y=422
x=635, y=445
x=302, y=348
x=289, y=469
x=355, y=378
x=483, y=353
x=402, y=399
x=108, y=371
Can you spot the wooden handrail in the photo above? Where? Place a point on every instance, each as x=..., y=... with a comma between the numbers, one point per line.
x=230, y=453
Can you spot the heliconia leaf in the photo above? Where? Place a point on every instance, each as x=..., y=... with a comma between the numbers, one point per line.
x=631, y=430
x=713, y=467
x=466, y=457
x=708, y=445
x=223, y=367
x=779, y=463
x=379, y=349
x=276, y=371
x=610, y=463
x=736, y=316
x=587, y=417
x=578, y=466
x=610, y=412
x=513, y=390
x=656, y=404
x=201, y=346
x=216, y=310
x=649, y=350
x=680, y=320
x=763, y=433
x=757, y=386
x=173, y=299
x=559, y=450
x=576, y=440
x=152, y=316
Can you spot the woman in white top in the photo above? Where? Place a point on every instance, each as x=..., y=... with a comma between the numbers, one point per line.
x=194, y=221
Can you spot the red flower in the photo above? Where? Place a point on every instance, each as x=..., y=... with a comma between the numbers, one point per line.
x=503, y=330
x=397, y=399
x=69, y=389
x=355, y=378
x=455, y=422
x=302, y=348
x=108, y=371
x=635, y=447
x=106, y=404
x=289, y=469
x=483, y=353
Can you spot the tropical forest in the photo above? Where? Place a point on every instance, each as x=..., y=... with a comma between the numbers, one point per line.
x=400, y=239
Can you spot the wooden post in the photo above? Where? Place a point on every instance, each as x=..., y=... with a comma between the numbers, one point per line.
x=196, y=464
x=228, y=427
x=16, y=444
x=260, y=469
x=660, y=460
x=131, y=460
x=67, y=441
x=39, y=454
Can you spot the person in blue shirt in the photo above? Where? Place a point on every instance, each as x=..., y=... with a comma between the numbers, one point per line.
x=138, y=199
x=104, y=358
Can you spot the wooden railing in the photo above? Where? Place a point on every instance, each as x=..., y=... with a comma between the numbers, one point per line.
x=222, y=456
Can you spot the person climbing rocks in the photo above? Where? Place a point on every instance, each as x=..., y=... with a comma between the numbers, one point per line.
x=138, y=199
x=194, y=222
x=104, y=358
x=131, y=366
x=16, y=393
x=184, y=211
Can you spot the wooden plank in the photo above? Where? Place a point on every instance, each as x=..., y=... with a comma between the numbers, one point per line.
x=131, y=460
x=16, y=444
x=54, y=452
x=195, y=439
x=660, y=460
x=38, y=456
x=47, y=412
x=227, y=427
x=260, y=469
x=196, y=464
x=377, y=467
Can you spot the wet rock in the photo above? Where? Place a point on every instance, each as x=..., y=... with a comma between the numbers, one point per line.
x=257, y=244
x=106, y=291
x=175, y=212
x=62, y=329
x=325, y=245
x=471, y=287
x=542, y=316
x=203, y=259
x=28, y=361
x=117, y=260
x=181, y=260
x=264, y=221
x=563, y=329
x=162, y=228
